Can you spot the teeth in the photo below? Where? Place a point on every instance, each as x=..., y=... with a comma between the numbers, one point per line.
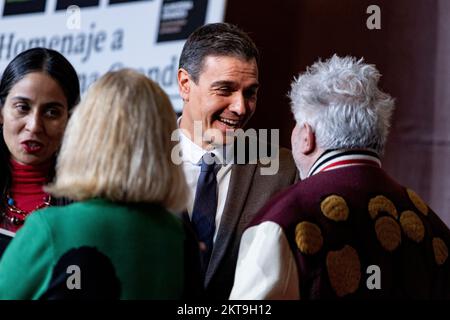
x=229, y=122
x=33, y=144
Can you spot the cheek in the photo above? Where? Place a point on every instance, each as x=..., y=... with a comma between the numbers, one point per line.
x=11, y=130
x=294, y=137
x=11, y=136
x=251, y=108
x=296, y=148
x=55, y=131
x=213, y=106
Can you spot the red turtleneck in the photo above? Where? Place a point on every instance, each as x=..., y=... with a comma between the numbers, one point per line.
x=27, y=184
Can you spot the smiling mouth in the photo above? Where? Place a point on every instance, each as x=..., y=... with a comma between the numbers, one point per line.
x=230, y=123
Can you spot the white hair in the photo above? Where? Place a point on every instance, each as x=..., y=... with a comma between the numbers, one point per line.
x=340, y=100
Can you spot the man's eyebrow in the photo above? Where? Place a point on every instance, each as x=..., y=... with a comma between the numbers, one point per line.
x=227, y=83
x=253, y=86
x=221, y=83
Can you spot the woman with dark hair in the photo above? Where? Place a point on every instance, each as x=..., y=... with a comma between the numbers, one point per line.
x=37, y=90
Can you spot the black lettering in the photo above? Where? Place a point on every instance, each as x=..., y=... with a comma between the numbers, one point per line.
x=89, y=44
x=153, y=73
x=169, y=73
x=99, y=40
x=2, y=37
x=19, y=47
x=54, y=43
x=10, y=43
x=117, y=42
x=79, y=44
x=67, y=44
x=37, y=42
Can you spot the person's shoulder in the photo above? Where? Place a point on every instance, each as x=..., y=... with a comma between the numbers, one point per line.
x=278, y=160
x=153, y=214
x=286, y=158
x=438, y=226
x=44, y=214
x=286, y=153
x=65, y=215
x=55, y=210
x=60, y=202
x=283, y=204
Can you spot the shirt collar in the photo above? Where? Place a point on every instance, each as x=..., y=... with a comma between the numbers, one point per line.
x=335, y=159
x=193, y=153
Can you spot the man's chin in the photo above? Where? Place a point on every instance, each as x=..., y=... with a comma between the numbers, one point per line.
x=220, y=134
x=220, y=139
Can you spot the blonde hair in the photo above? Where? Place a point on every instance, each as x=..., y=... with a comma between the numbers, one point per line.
x=117, y=145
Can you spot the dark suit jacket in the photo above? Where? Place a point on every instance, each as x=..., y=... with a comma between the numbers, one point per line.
x=247, y=193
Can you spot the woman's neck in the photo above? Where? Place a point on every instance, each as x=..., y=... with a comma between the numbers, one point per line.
x=26, y=193
x=26, y=177
x=27, y=182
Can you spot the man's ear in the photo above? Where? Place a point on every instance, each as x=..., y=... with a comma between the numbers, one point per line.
x=308, y=139
x=184, y=84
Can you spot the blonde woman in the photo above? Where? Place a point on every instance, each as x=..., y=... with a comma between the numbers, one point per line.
x=120, y=240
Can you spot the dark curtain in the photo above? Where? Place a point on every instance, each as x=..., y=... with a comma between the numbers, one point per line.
x=411, y=50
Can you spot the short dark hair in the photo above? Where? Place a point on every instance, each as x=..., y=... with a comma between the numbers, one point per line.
x=48, y=61
x=215, y=39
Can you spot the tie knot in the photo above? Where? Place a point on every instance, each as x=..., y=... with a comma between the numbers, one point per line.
x=208, y=162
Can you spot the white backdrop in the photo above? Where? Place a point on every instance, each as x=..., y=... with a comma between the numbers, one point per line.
x=147, y=35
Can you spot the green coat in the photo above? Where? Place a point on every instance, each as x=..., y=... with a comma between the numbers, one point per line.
x=118, y=250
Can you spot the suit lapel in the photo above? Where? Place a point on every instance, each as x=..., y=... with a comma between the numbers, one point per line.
x=240, y=182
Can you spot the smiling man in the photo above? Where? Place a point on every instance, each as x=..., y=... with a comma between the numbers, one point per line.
x=222, y=99
x=218, y=82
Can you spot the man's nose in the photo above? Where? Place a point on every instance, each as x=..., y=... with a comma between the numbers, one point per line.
x=239, y=105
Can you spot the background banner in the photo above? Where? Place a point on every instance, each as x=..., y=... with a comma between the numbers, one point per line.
x=102, y=35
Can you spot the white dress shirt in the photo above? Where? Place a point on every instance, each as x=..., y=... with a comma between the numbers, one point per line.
x=191, y=155
x=266, y=266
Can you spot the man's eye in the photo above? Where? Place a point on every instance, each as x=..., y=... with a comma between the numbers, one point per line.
x=250, y=94
x=225, y=91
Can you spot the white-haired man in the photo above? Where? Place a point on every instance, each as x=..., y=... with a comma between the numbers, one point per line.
x=347, y=229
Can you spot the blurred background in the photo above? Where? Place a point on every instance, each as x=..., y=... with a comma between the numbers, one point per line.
x=411, y=49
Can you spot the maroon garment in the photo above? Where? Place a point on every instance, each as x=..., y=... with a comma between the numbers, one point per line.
x=410, y=271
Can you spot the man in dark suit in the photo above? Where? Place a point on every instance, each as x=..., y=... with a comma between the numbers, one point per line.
x=347, y=230
x=218, y=82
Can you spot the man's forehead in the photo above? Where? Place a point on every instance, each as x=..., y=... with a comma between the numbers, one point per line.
x=228, y=62
x=230, y=68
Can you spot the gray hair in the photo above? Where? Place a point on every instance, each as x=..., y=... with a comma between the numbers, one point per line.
x=215, y=39
x=340, y=100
